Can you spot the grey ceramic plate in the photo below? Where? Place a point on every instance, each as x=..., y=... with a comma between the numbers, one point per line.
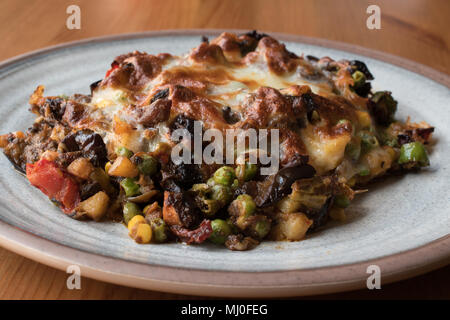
x=402, y=224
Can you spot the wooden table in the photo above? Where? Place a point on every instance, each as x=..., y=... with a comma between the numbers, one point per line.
x=414, y=29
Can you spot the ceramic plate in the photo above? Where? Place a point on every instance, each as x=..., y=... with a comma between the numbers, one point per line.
x=402, y=225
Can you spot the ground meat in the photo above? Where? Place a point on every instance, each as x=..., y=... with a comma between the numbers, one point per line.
x=186, y=208
x=237, y=242
x=51, y=108
x=279, y=59
x=198, y=235
x=208, y=53
x=134, y=70
x=29, y=149
x=180, y=177
x=150, y=115
x=268, y=107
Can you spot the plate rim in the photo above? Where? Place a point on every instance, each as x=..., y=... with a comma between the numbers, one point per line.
x=346, y=277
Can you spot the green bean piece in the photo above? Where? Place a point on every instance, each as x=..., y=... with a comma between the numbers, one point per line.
x=262, y=228
x=130, y=187
x=221, y=193
x=130, y=210
x=211, y=182
x=353, y=150
x=210, y=206
x=224, y=176
x=201, y=188
x=414, y=152
x=246, y=204
x=233, y=228
x=368, y=141
x=148, y=165
x=221, y=230
x=358, y=79
x=342, y=201
x=364, y=172
x=159, y=229
x=124, y=152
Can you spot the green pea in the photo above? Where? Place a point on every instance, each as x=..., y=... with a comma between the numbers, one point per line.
x=364, y=172
x=246, y=204
x=358, y=78
x=233, y=228
x=414, y=152
x=159, y=229
x=221, y=230
x=124, y=152
x=130, y=210
x=353, y=150
x=246, y=172
x=342, y=201
x=201, y=188
x=210, y=206
x=211, y=182
x=368, y=141
x=221, y=193
x=130, y=187
x=148, y=165
x=262, y=228
x=224, y=176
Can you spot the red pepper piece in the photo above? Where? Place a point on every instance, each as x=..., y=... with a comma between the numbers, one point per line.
x=54, y=183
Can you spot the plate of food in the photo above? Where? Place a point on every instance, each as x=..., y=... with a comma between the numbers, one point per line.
x=225, y=163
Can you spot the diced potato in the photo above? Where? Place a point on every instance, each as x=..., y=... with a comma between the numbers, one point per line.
x=290, y=226
x=81, y=168
x=123, y=167
x=297, y=198
x=170, y=215
x=288, y=205
x=326, y=152
x=49, y=155
x=378, y=160
x=94, y=207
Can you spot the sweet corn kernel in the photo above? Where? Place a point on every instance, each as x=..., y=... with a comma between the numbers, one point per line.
x=364, y=119
x=143, y=233
x=107, y=166
x=138, y=219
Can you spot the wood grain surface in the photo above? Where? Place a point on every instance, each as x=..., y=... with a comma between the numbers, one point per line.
x=414, y=29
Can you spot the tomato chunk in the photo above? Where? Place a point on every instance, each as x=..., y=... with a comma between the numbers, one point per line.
x=54, y=183
x=114, y=66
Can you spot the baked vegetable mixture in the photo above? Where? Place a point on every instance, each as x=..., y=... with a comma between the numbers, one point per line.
x=107, y=155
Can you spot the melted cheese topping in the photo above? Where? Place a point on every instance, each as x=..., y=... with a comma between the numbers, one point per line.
x=228, y=84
